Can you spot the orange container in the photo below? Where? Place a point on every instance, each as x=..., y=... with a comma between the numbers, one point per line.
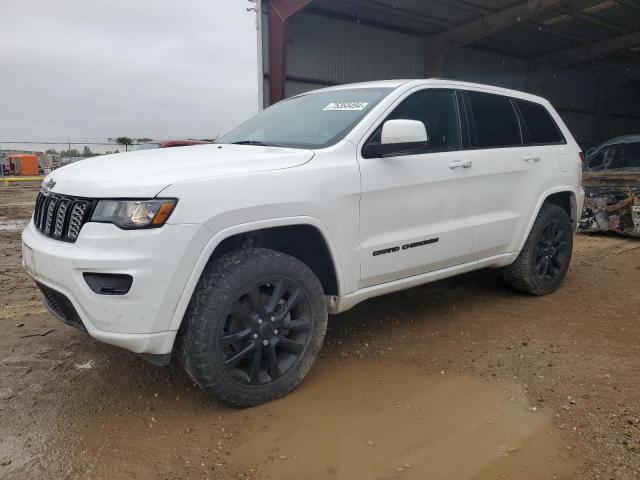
x=23, y=164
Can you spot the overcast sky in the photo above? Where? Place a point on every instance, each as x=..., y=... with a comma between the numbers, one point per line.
x=163, y=69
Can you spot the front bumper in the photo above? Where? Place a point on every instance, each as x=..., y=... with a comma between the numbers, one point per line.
x=159, y=260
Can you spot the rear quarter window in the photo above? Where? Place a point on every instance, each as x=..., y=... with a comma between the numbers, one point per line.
x=540, y=127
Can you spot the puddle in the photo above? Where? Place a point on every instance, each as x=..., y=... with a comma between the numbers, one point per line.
x=375, y=420
x=13, y=225
x=368, y=420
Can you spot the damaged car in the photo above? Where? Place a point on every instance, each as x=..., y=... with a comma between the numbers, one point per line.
x=612, y=187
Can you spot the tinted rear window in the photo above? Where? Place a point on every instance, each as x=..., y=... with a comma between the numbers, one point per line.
x=496, y=122
x=541, y=127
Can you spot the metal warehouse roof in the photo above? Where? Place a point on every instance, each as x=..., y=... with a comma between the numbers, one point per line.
x=539, y=31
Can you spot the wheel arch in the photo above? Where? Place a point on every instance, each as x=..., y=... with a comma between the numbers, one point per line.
x=310, y=232
x=565, y=197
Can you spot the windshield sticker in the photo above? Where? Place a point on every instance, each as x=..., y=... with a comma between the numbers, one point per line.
x=346, y=106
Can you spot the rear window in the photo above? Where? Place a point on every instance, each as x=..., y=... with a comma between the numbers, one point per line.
x=495, y=120
x=539, y=124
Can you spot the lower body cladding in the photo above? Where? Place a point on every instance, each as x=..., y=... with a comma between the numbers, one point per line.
x=611, y=209
x=121, y=287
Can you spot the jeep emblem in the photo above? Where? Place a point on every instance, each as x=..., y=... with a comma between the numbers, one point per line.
x=50, y=184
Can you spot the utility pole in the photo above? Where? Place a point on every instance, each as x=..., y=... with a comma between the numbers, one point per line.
x=1, y=163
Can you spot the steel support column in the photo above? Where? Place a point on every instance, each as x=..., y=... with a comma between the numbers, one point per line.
x=280, y=11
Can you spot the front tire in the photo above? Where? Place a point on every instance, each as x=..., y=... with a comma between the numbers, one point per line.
x=544, y=260
x=254, y=326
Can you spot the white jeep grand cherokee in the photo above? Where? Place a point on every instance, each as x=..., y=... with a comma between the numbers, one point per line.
x=232, y=254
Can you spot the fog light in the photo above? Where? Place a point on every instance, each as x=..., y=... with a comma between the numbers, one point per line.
x=108, y=283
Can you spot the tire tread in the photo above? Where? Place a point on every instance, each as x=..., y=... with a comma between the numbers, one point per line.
x=519, y=275
x=217, y=283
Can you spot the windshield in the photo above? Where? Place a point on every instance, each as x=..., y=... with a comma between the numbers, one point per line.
x=315, y=120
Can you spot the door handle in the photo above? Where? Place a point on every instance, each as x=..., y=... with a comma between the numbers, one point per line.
x=460, y=164
x=532, y=157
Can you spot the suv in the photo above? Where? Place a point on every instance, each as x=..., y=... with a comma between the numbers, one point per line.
x=234, y=260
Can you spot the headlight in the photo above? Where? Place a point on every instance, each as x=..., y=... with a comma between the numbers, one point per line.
x=134, y=213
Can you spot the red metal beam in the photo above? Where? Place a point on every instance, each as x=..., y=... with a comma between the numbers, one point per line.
x=280, y=11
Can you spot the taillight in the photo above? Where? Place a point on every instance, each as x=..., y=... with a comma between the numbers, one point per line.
x=581, y=156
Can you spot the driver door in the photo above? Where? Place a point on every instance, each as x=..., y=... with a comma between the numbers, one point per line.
x=415, y=213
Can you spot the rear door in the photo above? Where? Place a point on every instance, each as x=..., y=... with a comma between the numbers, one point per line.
x=508, y=172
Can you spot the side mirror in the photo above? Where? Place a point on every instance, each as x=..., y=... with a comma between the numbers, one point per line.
x=399, y=137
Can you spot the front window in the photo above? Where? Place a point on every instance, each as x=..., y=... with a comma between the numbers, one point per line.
x=438, y=111
x=315, y=120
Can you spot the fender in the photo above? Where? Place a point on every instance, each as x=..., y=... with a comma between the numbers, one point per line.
x=225, y=233
x=576, y=204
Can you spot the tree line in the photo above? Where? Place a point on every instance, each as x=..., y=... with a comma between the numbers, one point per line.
x=87, y=152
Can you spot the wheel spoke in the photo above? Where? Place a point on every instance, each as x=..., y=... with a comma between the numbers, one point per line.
x=560, y=246
x=276, y=296
x=235, y=337
x=255, y=365
x=298, y=324
x=290, y=345
x=556, y=261
x=546, y=267
x=254, y=298
x=291, y=302
x=241, y=355
x=540, y=265
x=553, y=228
x=274, y=366
x=558, y=236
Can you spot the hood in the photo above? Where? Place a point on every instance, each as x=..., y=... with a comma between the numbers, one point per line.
x=145, y=173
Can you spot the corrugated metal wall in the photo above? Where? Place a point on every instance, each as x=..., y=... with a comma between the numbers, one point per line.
x=335, y=51
x=481, y=67
x=323, y=51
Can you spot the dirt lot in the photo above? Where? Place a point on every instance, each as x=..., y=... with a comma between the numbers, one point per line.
x=459, y=379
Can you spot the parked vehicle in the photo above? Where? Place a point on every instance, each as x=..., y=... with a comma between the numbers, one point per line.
x=234, y=259
x=619, y=152
x=588, y=147
x=166, y=144
x=612, y=187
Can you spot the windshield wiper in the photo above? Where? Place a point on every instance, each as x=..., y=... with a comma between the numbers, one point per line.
x=254, y=142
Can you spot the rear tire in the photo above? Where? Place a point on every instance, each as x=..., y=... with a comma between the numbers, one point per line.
x=254, y=326
x=544, y=260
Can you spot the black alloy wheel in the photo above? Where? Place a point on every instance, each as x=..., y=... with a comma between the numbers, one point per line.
x=551, y=255
x=254, y=326
x=544, y=259
x=265, y=332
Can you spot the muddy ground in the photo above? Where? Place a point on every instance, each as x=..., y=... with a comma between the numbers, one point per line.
x=461, y=379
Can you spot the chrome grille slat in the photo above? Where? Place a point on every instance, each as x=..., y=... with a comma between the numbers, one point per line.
x=48, y=221
x=43, y=206
x=61, y=216
x=77, y=219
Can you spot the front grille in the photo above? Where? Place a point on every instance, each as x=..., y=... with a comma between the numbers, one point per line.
x=61, y=307
x=61, y=216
